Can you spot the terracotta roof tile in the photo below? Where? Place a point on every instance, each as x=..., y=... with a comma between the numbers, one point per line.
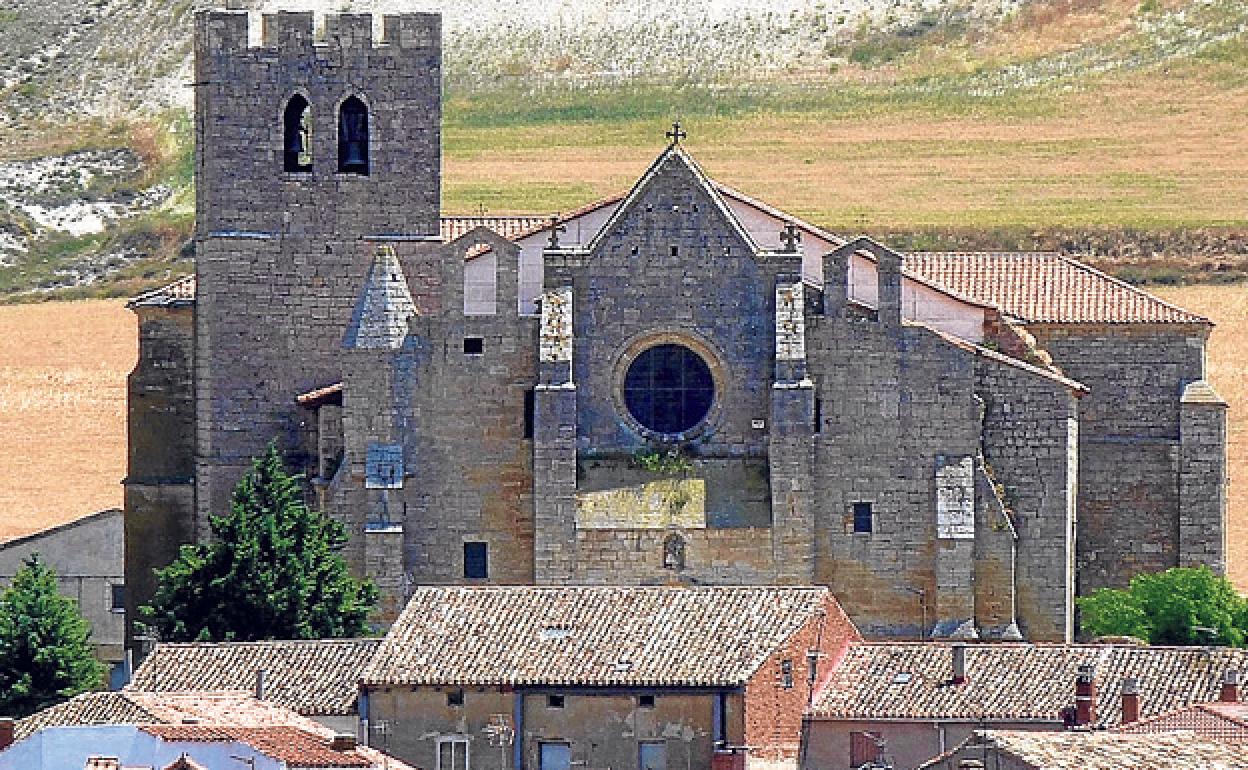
x=1040, y=287
x=591, y=636
x=180, y=292
x=294, y=747
x=912, y=680
x=508, y=227
x=1102, y=751
x=315, y=677
x=1226, y=722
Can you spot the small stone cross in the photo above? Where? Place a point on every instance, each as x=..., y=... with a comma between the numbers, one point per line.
x=676, y=134
x=555, y=229
x=790, y=236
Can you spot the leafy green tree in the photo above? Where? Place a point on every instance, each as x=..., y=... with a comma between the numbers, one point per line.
x=272, y=571
x=1184, y=605
x=45, y=651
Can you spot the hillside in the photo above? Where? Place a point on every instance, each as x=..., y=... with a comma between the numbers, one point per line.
x=1109, y=128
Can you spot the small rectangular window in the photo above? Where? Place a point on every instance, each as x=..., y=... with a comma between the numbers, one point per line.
x=529, y=411
x=786, y=674
x=862, y=517
x=474, y=346
x=118, y=597
x=675, y=251
x=818, y=415
x=455, y=698
x=476, y=561
x=452, y=753
x=554, y=701
x=645, y=701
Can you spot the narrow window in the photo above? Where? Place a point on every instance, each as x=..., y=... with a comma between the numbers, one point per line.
x=554, y=701
x=818, y=414
x=452, y=753
x=455, y=698
x=297, y=135
x=474, y=346
x=476, y=563
x=786, y=674
x=529, y=411
x=675, y=251
x=118, y=598
x=645, y=701
x=674, y=552
x=353, y=137
x=862, y=517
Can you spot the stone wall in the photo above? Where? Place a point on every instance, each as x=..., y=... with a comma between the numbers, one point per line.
x=159, y=491
x=1130, y=443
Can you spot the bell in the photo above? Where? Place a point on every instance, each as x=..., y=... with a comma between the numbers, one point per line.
x=354, y=157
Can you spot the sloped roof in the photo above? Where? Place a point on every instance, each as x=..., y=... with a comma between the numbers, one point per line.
x=913, y=680
x=511, y=227
x=384, y=307
x=591, y=636
x=1226, y=722
x=313, y=677
x=1083, y=750
x=1042, y=287
x=126, y=707
x=180, y=292
x=294, y=747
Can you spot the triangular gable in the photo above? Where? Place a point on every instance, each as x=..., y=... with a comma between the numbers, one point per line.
x=673, y=154
x=384, y=308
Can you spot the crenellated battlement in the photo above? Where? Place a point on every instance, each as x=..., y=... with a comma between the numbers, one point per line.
x=221, y=30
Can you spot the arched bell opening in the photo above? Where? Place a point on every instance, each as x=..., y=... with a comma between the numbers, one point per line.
x=353, y=137
x=297, y=135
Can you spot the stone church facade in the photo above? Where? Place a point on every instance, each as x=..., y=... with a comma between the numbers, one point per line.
x=677, y=385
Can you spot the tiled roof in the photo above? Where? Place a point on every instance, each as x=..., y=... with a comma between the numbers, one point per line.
x=1039, y=287
x=126, y=707
x=1226, y=722
x=591, y=636
x=912, y=680
x=314, y=677
x=510, y=228
x=180, y=292
x=294, y=747
x=1103, y=751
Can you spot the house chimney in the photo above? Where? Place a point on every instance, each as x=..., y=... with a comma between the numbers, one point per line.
x=1085, y=695
x=342, y=742
x=959, y=663
x=1130, y=700
x=261, y=689
x=1230, y=687
x=8, y=728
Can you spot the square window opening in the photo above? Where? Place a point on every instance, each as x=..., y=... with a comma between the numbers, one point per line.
x=554, y=701
x=675, y=251
x=862, y=518
x=476, y=561
x=474, y=346
x=645, y=701
x=455, y=698
x=117, y=597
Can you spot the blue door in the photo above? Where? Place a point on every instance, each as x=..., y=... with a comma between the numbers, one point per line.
x=556, y=756
x=652, y=755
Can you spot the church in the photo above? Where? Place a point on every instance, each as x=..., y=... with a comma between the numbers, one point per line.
x=678, y=385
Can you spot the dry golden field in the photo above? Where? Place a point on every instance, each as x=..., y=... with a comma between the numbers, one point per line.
x=63, y=368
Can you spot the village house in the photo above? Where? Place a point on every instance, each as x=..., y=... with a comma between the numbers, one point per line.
x=908, y=702
x=153, y=730
x=1012, y=750
x=679, y=384
x=643, y=678
x=1224, y=721
x=317, y=678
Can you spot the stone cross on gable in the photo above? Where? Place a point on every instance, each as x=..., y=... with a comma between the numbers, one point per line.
x=676, y=134
x=555, y=229
x=790, y=236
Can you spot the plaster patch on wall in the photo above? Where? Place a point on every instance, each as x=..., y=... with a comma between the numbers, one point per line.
x=652, y=505
x=384, y=467
x=556, y=329
x=955, y=498
x=790, y=323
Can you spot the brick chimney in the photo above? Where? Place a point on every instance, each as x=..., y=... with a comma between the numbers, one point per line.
x=7, y=729
x=1085, y=695
x=1130, y=700
x=1230, y=687
x=959, y=663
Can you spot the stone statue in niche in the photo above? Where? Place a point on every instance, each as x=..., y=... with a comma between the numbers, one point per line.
x=674, y=552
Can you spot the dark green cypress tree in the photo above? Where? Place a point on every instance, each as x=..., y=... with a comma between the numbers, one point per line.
x=45, y=650
x=272, y=571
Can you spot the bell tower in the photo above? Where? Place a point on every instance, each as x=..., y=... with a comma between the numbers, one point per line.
x=315, y=147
